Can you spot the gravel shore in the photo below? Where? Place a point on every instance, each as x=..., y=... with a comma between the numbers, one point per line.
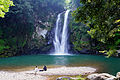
x=29, y=75
x=20, y=76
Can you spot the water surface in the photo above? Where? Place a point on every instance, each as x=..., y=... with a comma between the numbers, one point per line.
x=110, y=65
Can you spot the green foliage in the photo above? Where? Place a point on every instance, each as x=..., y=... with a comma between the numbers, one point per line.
x=71, y=4
x=18, y=26
x=4, y=6
x=79, y=36
x=66, y=79
x=102, y=17
x=111, y=52
x=2, y=45
x=80, y=78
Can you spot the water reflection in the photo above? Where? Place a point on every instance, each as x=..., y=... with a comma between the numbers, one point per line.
x=60, y=60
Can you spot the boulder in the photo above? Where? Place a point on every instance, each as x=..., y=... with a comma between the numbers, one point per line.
x=102, y=76
x=92, y=76
x=118, y=75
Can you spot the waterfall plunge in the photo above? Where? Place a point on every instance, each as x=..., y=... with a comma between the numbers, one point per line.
x=61, y=37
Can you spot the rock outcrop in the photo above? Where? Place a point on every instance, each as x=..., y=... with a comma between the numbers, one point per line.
x=102, y=76
x=118, y=76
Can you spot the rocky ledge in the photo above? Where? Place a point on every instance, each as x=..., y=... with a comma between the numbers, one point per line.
x=103, y=76
x=94, y=76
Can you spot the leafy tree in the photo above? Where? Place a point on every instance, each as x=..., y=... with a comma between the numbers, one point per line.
x=102, y=16
x=4, y=6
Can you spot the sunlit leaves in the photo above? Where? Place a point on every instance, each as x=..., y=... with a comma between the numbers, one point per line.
x=111, y=52
x=89, y=0
x=92, y=32
x=117, y=21
x=67, y=1
x=4, y=6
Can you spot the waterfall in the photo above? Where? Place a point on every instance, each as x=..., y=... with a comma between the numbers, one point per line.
x=61, y=37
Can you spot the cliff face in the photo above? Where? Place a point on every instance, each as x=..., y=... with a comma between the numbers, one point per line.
x=41, y=40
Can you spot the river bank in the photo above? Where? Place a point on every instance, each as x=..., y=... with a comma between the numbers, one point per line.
x=29, y=75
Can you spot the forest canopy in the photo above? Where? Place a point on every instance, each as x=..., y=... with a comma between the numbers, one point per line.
x=102, y=17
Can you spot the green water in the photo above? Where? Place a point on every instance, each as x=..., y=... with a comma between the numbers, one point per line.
x=110, y=65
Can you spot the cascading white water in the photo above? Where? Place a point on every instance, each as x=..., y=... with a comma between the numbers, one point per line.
x=57, y=37
x=61, y=37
